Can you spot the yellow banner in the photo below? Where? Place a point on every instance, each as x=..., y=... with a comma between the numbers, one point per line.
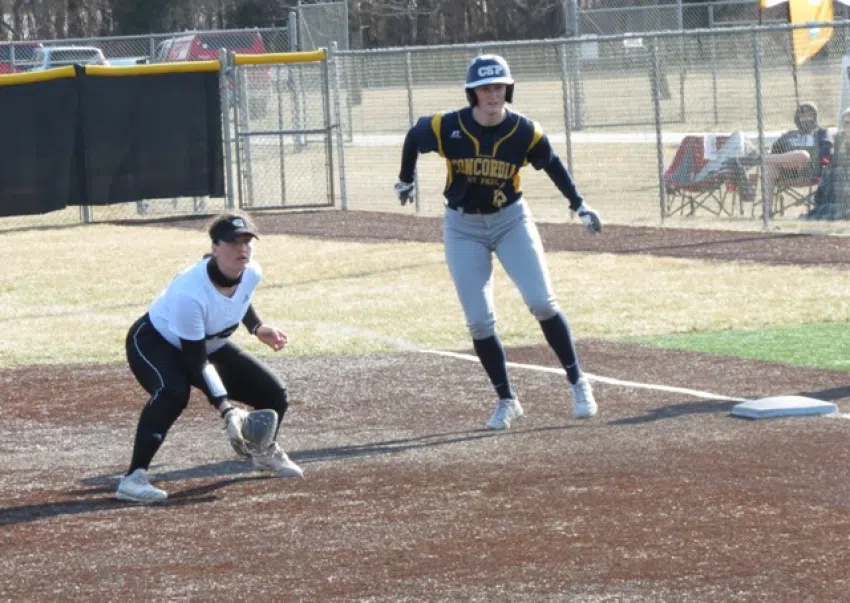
x=808, y=41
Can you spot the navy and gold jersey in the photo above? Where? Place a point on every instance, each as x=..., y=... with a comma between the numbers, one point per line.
x=483, y=163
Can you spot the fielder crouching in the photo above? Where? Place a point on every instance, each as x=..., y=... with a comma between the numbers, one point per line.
x=184, y=341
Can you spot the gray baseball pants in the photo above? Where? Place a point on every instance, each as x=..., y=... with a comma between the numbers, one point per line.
x=470, y=242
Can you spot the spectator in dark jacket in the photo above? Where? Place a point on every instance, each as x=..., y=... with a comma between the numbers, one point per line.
x=832, y=197
x=798, y=154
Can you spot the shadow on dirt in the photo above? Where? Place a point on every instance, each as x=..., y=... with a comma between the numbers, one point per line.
x=828, y=395
x=59, y=508
x=672, y=411
x=412, y=443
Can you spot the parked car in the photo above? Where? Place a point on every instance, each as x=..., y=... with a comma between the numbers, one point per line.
x=125, y=61
x=204, y=46
x=162, y=50
x=23, y=53
x=49, y=57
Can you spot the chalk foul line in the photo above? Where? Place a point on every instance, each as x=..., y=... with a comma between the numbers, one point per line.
x=609, y=380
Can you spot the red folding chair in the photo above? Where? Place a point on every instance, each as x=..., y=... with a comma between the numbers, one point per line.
x=685, y=195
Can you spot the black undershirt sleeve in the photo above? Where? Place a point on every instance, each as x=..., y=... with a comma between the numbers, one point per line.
x=543, y=156
x=409, y=155
x=251, y=320
x=203, y=373
x=560, y=175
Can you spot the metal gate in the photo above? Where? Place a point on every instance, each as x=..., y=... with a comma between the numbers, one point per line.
x=279, y=137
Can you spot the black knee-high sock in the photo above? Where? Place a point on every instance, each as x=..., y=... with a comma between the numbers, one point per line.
x=492, y=356
x=148, y=441
x=557, y=333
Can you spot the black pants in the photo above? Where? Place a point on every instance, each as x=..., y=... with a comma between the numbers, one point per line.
x=160, y=369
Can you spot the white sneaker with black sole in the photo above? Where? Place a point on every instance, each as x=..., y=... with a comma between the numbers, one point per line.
x=507, y=410
x=137, y=487
x=584, y=404
x=276, y=460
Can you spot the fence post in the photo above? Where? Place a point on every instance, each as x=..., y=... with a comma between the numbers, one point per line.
x=333, y=59
x=293, y=30
x=565, y=96
x=659, y=142
x=760, y=117
x=244, y=117
x=576, y=87
x=408, y=81
x=224, y=70
x=281, y=84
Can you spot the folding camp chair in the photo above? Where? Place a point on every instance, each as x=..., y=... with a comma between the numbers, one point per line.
x=797, y=191
x=684, y=193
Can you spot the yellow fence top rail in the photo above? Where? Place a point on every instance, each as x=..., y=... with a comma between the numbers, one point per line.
x=153, y=69
x=311, y=56
x=9, y=79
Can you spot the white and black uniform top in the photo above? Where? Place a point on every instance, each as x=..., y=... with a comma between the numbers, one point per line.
x=191, y=307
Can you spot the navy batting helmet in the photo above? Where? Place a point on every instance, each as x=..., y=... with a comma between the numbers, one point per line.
x=488, y=69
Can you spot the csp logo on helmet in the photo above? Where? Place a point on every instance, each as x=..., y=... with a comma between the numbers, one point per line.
x=488, y=69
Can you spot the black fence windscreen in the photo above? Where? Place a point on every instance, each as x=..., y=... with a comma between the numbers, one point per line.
x=152, y=137
x=98, y=139
x=37, y=146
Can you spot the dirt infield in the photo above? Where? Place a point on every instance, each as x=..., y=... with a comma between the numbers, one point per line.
x=762, y=247
x=662, y=497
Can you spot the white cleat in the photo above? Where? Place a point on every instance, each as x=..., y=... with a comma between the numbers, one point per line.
x=276, y=460
x=507, y=410
x=137, y=487
x=584, y=405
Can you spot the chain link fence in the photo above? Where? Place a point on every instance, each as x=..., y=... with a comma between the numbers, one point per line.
x=625, y=16
x=616, y=107
x=283, y=150
x=320, y=24
x=260, y=94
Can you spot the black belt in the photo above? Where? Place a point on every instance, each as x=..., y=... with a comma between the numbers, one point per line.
x=479, y=210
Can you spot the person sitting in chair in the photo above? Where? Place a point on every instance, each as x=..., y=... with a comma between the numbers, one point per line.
x=832, y=197
x=798, y=154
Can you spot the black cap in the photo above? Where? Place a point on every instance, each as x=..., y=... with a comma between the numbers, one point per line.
x=231, y=227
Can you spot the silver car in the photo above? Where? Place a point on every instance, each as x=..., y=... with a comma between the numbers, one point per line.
x=60, y=56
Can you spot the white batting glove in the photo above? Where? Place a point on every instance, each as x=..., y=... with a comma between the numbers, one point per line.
x=590, y=219
x=405, y=191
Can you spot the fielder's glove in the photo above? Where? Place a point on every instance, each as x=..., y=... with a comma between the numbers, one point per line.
x=405, y=191
x=233, y=421
x=590, y=219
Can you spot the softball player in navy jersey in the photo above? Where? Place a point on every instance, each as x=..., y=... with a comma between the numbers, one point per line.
x=485, y=145
x=184, y=341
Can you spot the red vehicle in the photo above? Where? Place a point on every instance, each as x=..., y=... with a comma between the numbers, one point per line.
x=22, y=59
x=204, y=46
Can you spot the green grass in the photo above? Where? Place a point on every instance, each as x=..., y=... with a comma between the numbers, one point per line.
x=824, y=345
x=72, y=296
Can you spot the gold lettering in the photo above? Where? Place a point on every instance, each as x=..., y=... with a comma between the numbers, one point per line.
x=499, y=198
